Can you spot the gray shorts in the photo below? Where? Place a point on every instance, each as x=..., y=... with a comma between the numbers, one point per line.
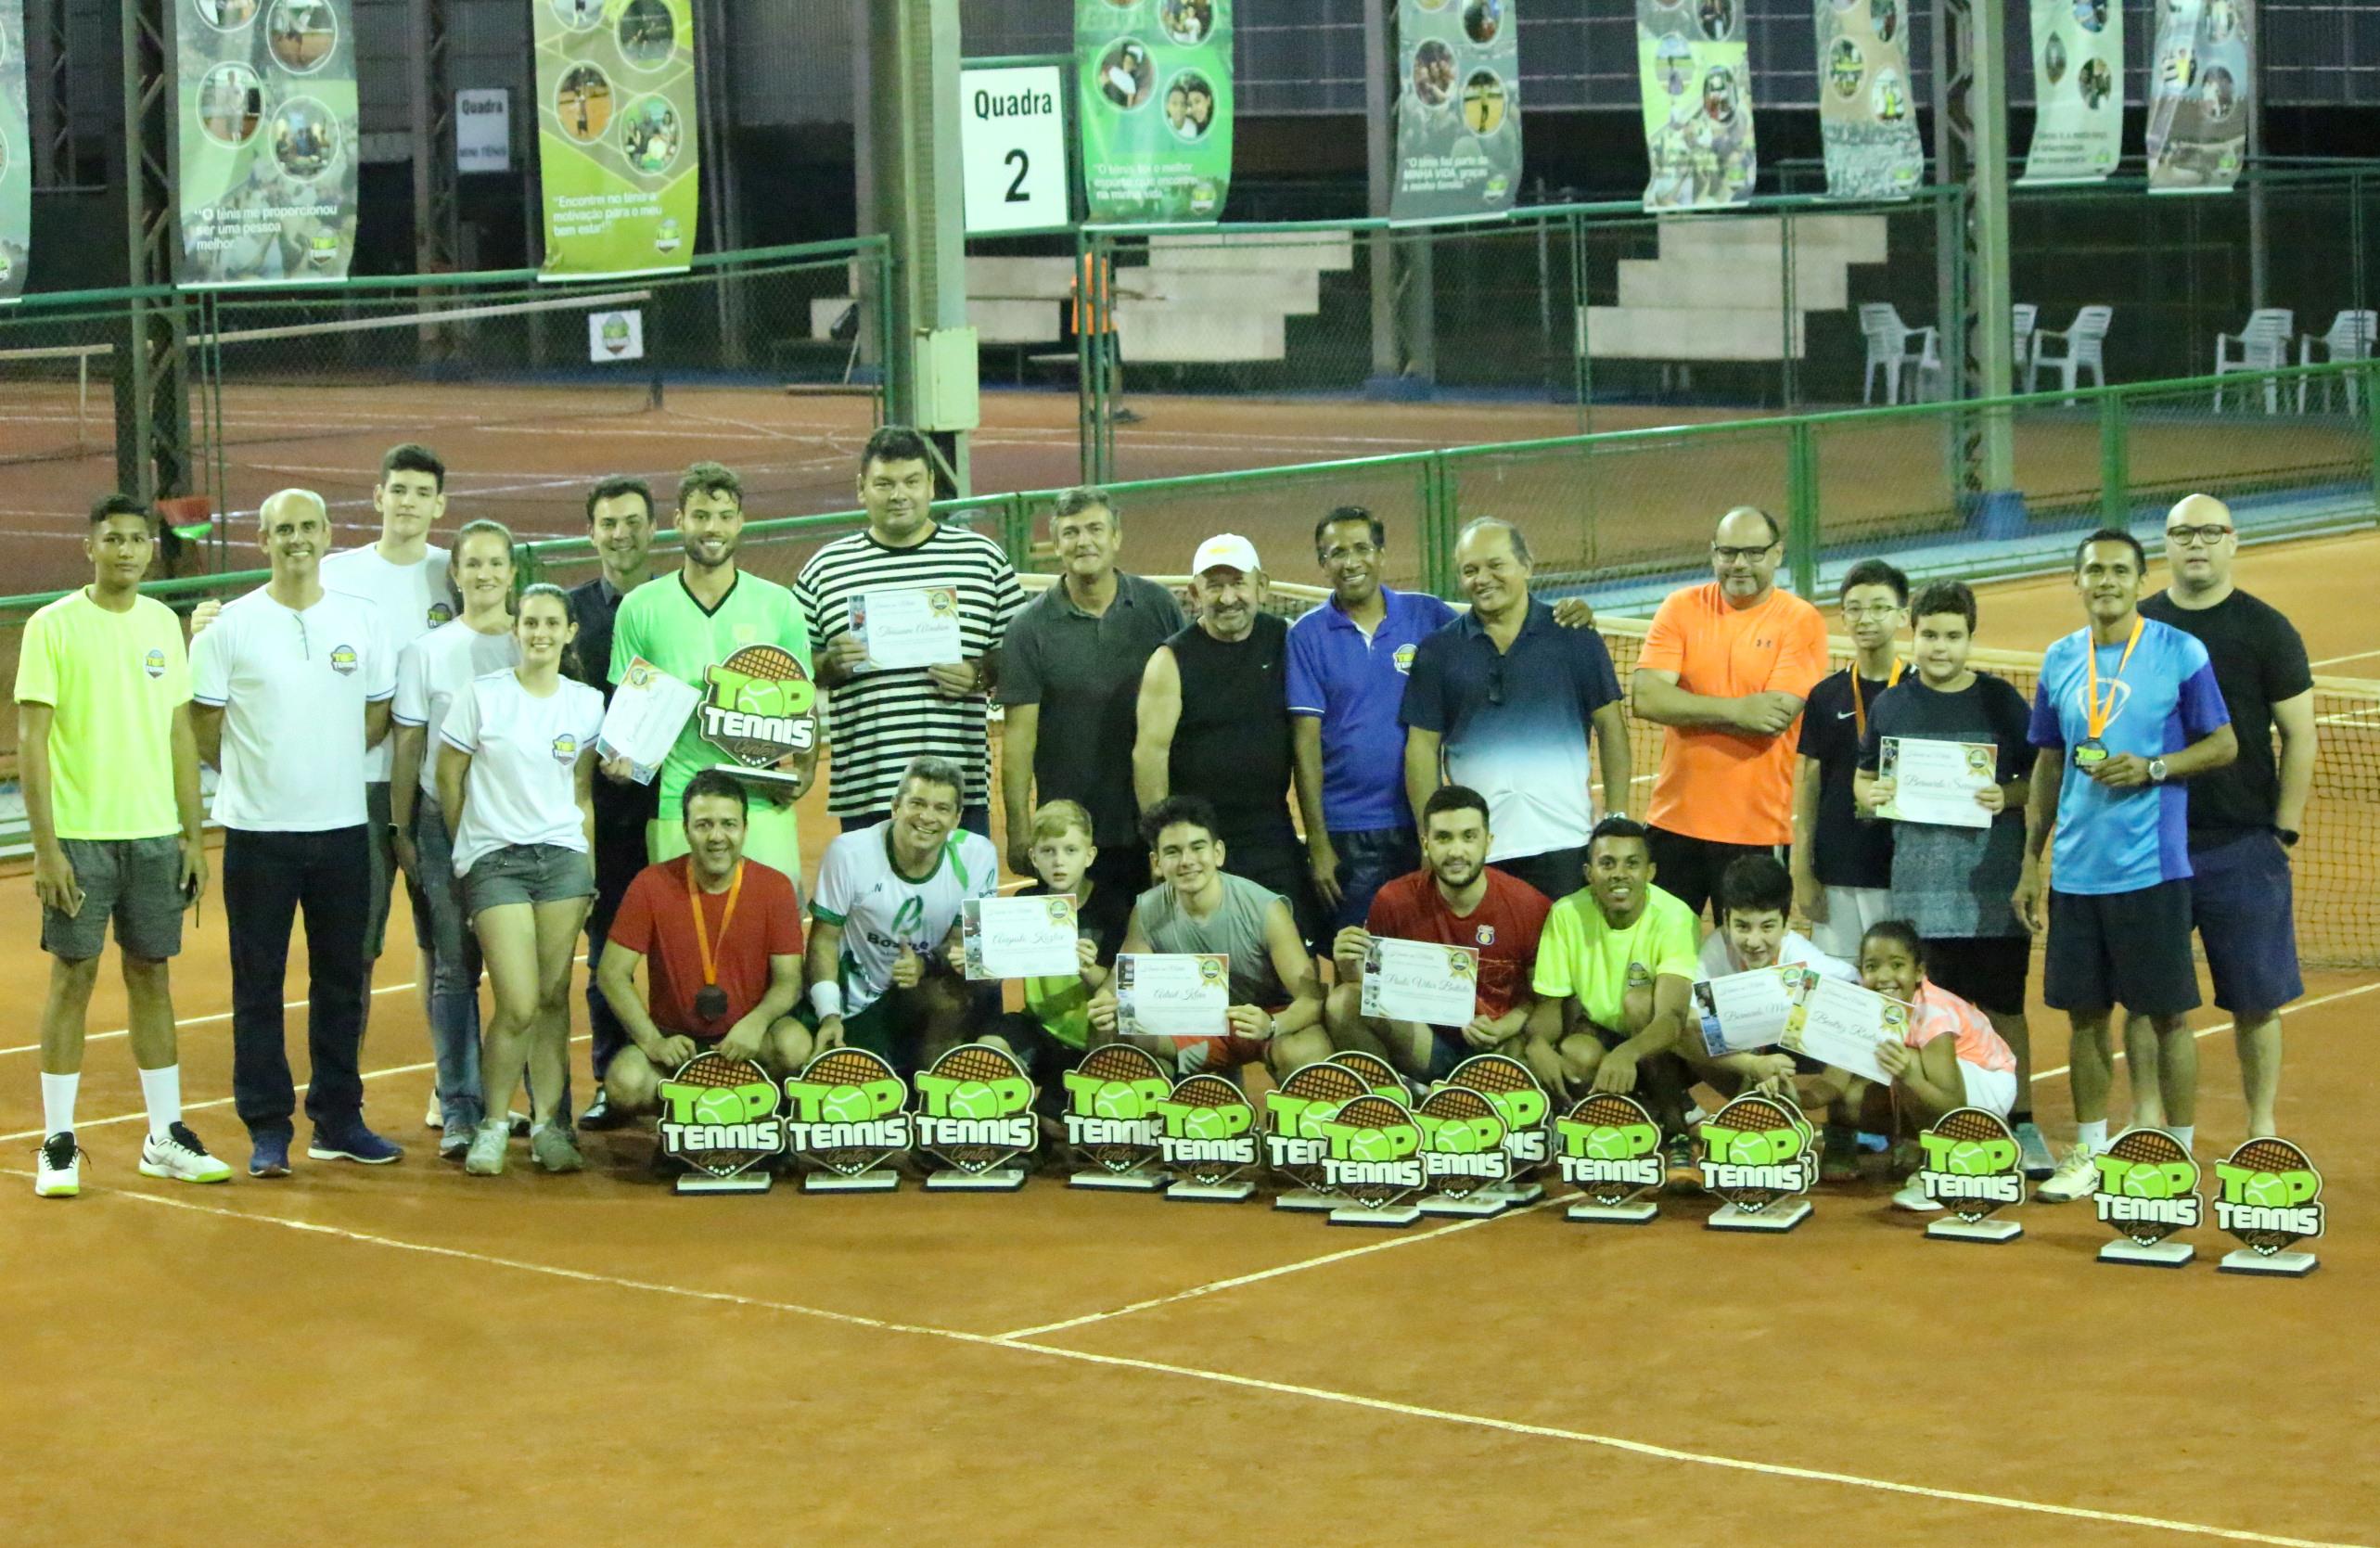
x=137, y=882
x=380, y=845
x=527, y=874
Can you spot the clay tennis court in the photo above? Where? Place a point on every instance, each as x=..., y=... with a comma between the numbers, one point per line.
x=395, y=1355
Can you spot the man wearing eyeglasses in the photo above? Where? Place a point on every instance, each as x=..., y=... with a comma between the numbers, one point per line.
x=1726, y=667
x=1504, y=700
x=2245, y=817
x=1842, y=866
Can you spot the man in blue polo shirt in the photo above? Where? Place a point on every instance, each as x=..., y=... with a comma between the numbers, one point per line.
x=1504, y=700
x=2126, y=709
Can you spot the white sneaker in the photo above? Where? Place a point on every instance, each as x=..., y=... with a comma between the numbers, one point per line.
x=436, y=1117
x=2076, y=1177
x=58, y=1172
x=486, y=1156
x=1912, y=1198
x=180, y=1156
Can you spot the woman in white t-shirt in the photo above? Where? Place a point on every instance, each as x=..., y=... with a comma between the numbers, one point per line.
x=516, y=778
x=432, y=671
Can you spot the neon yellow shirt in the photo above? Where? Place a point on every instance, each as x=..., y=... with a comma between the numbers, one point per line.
x=112, y=681
x=1580, y=954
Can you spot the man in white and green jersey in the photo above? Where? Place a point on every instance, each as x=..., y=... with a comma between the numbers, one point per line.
x=887, y=907
x=740, y=640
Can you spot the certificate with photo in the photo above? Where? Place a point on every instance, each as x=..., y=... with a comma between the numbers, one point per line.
x=1019, y=937
x=1743, y=1011
x=1935, y=781
x=648, y=711
x=1842, y=1024
x=1174, y=994
x=909, y=626
x=1421, y=980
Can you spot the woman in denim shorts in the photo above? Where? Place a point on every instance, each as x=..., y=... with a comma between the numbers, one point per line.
x=516, y=780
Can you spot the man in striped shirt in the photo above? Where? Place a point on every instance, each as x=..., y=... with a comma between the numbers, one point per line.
x=880, y=717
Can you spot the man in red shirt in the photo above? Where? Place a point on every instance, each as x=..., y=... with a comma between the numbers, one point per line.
x=1454, y=900
x=722, y=937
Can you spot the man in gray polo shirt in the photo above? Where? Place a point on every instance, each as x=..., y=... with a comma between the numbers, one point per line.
x=1070, y=684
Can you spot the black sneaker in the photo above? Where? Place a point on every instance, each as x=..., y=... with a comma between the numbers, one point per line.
x=599, y=1116
x=58, y=1172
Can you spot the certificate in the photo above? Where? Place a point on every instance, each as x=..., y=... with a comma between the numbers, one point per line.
x=1743, y=1011
x=912, y=626
x=1174, y=994
x=648, y=711
x=1421, y=980
x=1935, y=782
x=1019, y=937
x=1841, y=1024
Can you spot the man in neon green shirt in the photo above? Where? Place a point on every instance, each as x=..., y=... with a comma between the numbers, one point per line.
x=740, y=640
x=110, y=769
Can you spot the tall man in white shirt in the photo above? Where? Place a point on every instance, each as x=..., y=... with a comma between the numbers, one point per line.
x=292, y=685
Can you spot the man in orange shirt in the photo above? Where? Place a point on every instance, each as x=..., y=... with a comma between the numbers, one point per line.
x=1726, y=668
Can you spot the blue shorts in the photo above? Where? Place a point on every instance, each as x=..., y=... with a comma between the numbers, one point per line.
x=2240, y=903
x=2128, y=948
x=1368, y=861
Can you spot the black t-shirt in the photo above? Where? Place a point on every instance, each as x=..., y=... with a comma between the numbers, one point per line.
x=621, y=811
x=1955, y=882
x=1232, y=746
x=1099, y=918
x=1848, y=850
x=2259, y=661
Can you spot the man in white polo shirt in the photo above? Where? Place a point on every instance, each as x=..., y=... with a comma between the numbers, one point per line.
x=292, y=684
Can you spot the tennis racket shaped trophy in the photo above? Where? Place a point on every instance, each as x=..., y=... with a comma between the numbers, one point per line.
x=1113, y=1099
x=847, y=1122
x=2270, y=1197
x=720, y=1121
x=1756, y=1161
x=2148, y=1191
x=975, y=1115
x=1610, y=1150
x=1207, y=1136
x=1523, y=1105
x=1971, y=1168
x=1295, y=1112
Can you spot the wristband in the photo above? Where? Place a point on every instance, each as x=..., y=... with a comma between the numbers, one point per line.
x=827, y=999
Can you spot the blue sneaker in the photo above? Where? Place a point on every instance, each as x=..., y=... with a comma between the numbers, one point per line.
x=357, y=1143
x=269, y=1156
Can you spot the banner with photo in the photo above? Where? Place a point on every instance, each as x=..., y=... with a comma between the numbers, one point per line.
x=1865, y=118
x=16, y=155
x=617, y=163
x=1156, y=111
x=265, y=138
x=2200, y=82
x=1458, y=106
x=2078, y=91
x=1698, y=85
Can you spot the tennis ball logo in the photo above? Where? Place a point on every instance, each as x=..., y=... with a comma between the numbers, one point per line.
x=758, y=706
x=971, y=1093
x=2266, y=1190
x=1205, y=1123
x=2267, y=1195
x=2148, y=1186
x=1750, y=1148
x=1595, y=1142
x=863, y=1103
x=1466, y=1135
x=1125, y=1101
x=2145, y=1178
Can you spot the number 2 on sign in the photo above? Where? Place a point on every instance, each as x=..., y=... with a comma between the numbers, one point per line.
x=1024, y=164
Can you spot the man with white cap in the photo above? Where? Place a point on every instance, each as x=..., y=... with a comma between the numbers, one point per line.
x=1214, y=722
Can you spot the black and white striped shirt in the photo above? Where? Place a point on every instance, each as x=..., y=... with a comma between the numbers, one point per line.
x=880, y=720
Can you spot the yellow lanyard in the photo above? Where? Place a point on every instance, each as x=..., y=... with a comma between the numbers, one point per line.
x=1858, y=709
x=2096, y=715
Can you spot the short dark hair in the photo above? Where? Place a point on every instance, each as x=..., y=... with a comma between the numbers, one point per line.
x=1080, y=498
x=709, y=478
x=1618, y=826
x=1945, y=596
x=927, y=769
x=2112, y=534
x=411, y=456
x=1351, y=513
x=1191, y=810
x=119, y=504
x=1899, y=931
x=1875, y=572
x=713, y=782
x=617, y=485
x=1454, y=797
x=1754, y=883
x=896, y=443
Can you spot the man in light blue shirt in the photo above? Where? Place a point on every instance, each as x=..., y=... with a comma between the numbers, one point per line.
x=2125, y=710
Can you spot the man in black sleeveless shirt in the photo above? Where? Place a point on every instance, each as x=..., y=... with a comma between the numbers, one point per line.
x=1214, y=722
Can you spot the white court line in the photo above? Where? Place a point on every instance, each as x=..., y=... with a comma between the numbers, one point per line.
x=1218, y=1285
x=2334, y=660
x=1226, y=1378
x=90, y=1038
x=2226, y=1026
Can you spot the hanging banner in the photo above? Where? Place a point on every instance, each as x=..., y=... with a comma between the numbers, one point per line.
x=2078, y=91
x=266, y=140
x=1864, y=114
x=1457, y=106
x=1156, y=108
x=1697, y=85
x=2200, y=79
x=16, y=155
x=616, y=154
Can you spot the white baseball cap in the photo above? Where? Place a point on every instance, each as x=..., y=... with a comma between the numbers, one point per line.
x=1228, y=550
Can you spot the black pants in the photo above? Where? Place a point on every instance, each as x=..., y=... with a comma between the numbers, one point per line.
x=619, y=856
x=1555, y=873
x=269, y=879
x=1688, y=869
x=1276, y=861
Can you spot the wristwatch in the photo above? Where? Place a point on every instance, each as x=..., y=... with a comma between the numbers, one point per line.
x=2156, y=771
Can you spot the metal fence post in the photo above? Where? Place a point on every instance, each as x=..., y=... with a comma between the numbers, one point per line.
x=2115, y=460
x=1017, y=532
x=1582, y=368
x=1802, y=506
x=1438, y=521
x=2371, y=421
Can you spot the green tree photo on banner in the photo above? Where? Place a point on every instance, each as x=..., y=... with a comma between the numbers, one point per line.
x=1696, y=78
x=1458, y=108
x=2078, y=91
x=1155, y=109
x=2200, y=84
x=1866, y=118
x=616, y=154
x=266, y=139
x=16, y=155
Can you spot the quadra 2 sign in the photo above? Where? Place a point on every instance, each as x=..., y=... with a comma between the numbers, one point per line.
x=1013, y=148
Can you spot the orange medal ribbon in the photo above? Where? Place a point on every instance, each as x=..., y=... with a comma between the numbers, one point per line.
x=712, y=1002
x=2096, y=715
x=1858, y=709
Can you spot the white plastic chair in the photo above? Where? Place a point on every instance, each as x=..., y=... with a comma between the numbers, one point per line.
x=2350, y=337
x=1888, y=338
x=2020, y=353
x=2085, y=340
x=2264, y=346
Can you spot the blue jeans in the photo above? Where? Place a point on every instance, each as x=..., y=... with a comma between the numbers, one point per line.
x=268, y=879
x=1368, y=861
x=455, y=970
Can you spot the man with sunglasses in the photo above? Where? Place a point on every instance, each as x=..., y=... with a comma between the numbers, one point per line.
x=2244, y=818
x=1726, y=667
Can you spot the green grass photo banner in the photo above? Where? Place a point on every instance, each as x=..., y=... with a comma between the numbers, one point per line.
x=1458, y=108
x=2079, y=87
x=16, y=154
x=1156, y=108
x=617, y=161
x=1697, y=78
x=1867, y=119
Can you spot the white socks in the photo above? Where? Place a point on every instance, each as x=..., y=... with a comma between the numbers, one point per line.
x=57, y=1102
x=161, y=1093
x=2186, y=1132
x=2094, y=1136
